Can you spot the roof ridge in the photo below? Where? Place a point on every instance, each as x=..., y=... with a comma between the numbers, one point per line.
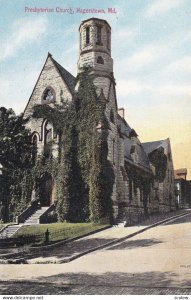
x=66, y=76
x=154, y=141
x=63, y=67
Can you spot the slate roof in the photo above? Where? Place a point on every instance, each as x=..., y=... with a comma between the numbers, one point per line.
x=181, y=171
x=124, y=126
x=142, y=156
x=94, y=19
x=67, y=76
x=151, y=146
x=125, y=129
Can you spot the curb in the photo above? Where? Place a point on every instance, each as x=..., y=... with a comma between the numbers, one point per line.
x=71, y=258
x=69, y=240
x=63, y=242
x=111, y=243
x=66, y=260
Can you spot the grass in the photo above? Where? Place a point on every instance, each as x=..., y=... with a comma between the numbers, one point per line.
x=58, y=231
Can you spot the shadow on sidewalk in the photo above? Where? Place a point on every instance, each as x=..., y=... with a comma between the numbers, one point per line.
x=134, y=244
x=109, y=283
x=62, y=251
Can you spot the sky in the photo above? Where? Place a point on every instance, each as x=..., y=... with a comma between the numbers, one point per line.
x=152, y=59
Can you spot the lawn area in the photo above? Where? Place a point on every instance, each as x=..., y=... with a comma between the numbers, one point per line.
x=57, y=231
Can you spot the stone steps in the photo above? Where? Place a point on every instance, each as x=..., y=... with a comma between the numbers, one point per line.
x=34, y=218
x=120, y=224
x=9, y=231
x=121, y=219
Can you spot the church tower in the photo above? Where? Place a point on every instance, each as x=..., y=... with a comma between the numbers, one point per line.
x=95, y=52
x=95, y=46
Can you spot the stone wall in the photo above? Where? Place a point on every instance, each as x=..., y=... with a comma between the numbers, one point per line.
x=167, y=187
x=89, y=52
x=49, y=76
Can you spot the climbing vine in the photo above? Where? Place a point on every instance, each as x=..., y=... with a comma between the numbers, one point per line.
x=84, y=177
x=16, y=163
x=141, y=180
x=159, y=160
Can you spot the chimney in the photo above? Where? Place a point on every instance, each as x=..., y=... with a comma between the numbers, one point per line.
x=121, y=112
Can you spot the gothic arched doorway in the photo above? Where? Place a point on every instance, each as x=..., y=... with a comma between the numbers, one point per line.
x=45, y=191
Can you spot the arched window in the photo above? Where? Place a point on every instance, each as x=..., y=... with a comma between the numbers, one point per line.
x=134, y=153
x=132, y=150
x=100, y=60
x=98, y=35
x=48, y=133
x=130, y=190
x=87, y=35
x=35, y=148
x=112, y=119
x=113, y=151
x=48, y=139
x=141, y=194
x=108, y=39
x=1, y=169
x=48, y=95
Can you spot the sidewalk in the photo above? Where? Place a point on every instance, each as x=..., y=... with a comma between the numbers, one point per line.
x=67, y=252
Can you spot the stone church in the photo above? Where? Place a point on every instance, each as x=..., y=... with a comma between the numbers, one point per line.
x=144, y=175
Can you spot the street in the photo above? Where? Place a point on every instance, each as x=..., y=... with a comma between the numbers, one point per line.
x=157, y=261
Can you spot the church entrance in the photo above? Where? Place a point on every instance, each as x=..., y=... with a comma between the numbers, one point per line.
x=45, y=191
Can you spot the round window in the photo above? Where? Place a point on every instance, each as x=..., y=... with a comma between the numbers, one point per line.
x=48, y=95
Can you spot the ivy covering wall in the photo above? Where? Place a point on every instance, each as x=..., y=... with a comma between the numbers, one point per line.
x=159, y=160
x=84, y=176
x=16, y=164
x=141, y=180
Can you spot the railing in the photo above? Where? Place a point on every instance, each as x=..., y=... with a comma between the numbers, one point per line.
x=26, y=213
x=48, y=237
x=44, y=218
x=21, y=240
x=4, y=227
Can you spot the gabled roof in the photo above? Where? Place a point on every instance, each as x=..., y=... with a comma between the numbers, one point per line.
x=123, y=125
x=126, y=130
x=151, y=146
x=141, y=155
x=66, y=76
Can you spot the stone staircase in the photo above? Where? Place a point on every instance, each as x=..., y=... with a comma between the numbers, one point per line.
x=34, y=218
x=9, y=231
x=120, y=223
x=121, y=220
